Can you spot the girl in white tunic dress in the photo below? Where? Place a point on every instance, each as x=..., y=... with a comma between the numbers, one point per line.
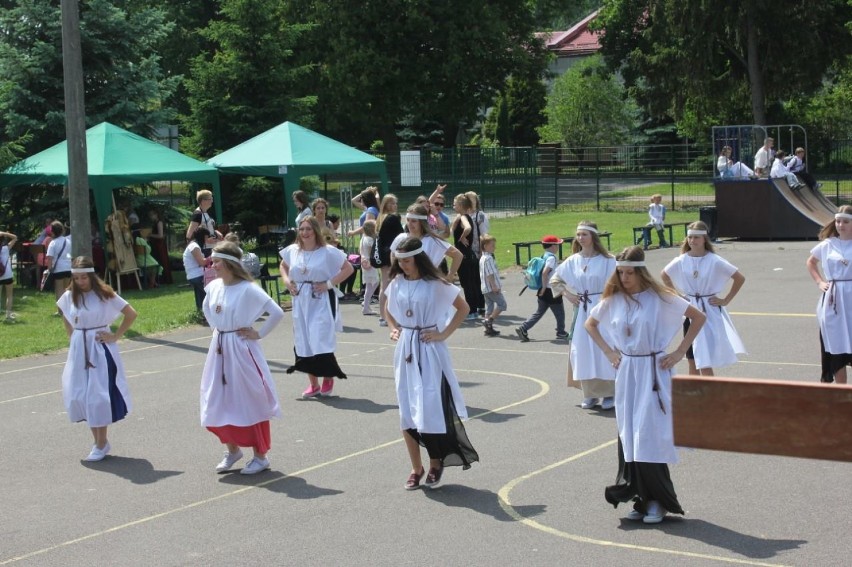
x=310, y=269
x=437, y=249
x=834, y=310
x=94, y=386
x=633, y=324
x=581, y=278
x=700, y=275
x=431, y=406
x=238, y=395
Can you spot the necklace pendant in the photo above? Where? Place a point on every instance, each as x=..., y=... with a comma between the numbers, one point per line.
x=844, y=261
x=627, y=330
x=409, y=313
x=695, y=274
x=218, y=308
x=585, y=267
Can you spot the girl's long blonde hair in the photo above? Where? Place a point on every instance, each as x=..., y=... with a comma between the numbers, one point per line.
x=646, y=280
x=830, y=229
x=596, y=241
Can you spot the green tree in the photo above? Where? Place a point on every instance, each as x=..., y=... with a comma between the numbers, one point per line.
x=250, y=82
x=700, y=62
x=587, y=106
x=431, y=61
x=123, y=79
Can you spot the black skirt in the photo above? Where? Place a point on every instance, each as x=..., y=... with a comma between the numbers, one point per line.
x=642, y=483
x=831, y=363
x=453, y=448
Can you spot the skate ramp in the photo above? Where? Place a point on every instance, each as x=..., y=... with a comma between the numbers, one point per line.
x=769, y=209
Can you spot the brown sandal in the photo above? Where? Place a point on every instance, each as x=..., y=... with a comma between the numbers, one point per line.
x=433, y=479
x=413, y=482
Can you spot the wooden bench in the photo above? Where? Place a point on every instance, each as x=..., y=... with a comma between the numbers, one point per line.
x=638, y=230
x=529, y=244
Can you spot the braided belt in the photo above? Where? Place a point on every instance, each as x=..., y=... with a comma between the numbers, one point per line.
x=586, y=299
x=415, y=336
x=86, y=343
x=832, y=294
x=699, y=300
x=656, y=387
x=219, y=350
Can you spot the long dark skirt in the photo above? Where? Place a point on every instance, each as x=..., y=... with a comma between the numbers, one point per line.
x=324, y=364
x=453, y=448
x=831, y=363
x=642, y=483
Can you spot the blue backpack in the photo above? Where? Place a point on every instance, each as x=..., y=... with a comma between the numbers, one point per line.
x=533, y=271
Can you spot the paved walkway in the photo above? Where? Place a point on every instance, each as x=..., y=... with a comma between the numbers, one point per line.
x=334, y=495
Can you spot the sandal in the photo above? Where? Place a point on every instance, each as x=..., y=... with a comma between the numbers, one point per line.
x=433, y=479
x=413, y=482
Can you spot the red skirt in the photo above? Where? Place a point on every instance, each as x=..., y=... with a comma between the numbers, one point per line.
x=256, y=436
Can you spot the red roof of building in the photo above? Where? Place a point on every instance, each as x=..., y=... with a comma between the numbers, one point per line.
x=578, y=40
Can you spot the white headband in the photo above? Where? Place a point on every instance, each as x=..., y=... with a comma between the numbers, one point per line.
x=843, y=216
x=696, y=232
x=226, y=257
x=587, y=227
x=416, y=217
x=630, y=264
x=414, y=252
x=82, y=270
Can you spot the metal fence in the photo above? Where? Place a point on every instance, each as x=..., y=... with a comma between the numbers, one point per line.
x=607, y=178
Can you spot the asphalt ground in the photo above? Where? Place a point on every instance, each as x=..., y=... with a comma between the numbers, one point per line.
x=335, y=496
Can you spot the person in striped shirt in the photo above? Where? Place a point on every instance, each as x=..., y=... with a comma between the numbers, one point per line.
x=491, y=288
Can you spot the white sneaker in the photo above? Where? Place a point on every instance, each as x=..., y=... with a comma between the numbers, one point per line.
x=383, y=323
x=98, y=454
x=635, y=515
x=608, y=403
x=255, y=466
x=229, y=460
x=589, y=403
x=655, y=514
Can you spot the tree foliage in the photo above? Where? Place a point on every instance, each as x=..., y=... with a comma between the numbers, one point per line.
x=250, y=82
x=587, y=107
x=699, y=62
x=437, y=61
x=124, y=83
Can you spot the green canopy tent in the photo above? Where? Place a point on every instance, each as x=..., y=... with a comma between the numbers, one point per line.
x=290, y=151
x=116, y=158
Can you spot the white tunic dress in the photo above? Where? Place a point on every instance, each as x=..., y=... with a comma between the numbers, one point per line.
x=834, y=309
x=418, y=382
x=639, y=330
x=700, y=278
x=236, y=385
x=88, y=392
x=587, y=278
x=314, y=323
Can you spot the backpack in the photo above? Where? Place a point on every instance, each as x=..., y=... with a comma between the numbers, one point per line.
x=533, y=271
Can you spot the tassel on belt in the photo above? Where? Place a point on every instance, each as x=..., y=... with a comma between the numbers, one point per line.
x=415, y=336
x=832, y=294
x=586, y=299
x=219, y=350
x=86, y=344
x=656, y=387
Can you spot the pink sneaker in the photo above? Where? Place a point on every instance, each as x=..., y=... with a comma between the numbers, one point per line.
x=311, y=392
x=327, y=387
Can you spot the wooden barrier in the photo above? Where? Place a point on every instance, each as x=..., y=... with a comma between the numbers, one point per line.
x=768, y=417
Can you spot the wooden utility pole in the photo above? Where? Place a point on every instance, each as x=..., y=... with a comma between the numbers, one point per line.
x=75, y=130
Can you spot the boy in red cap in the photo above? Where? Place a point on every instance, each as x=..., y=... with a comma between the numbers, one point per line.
x=545, y=294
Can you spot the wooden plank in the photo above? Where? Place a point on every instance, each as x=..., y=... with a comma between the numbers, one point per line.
x=768, y=417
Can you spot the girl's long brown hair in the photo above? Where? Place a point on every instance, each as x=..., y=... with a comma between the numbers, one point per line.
x=596, y=241
x=830, y=229
x=99, y=287
x=646, y=280
x=698, y=225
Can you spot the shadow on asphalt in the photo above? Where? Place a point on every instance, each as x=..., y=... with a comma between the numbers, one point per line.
x=489, y=416
x=718, y=536
x=476, y=499
x=275, y=481
x=137, y=471
x=361, y=405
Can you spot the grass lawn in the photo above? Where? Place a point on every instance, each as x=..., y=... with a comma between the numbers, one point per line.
x=171, y=307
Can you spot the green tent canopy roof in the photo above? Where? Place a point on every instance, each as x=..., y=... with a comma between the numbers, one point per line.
x=289, y=145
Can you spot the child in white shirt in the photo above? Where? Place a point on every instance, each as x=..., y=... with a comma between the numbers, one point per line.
x=657, y=213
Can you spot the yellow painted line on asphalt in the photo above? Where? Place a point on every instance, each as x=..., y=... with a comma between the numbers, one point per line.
x=506, y=505
x=123, y=352
x=544, y=389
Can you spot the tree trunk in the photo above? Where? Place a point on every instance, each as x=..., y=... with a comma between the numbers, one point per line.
x=391, y=143
x=755, y=74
